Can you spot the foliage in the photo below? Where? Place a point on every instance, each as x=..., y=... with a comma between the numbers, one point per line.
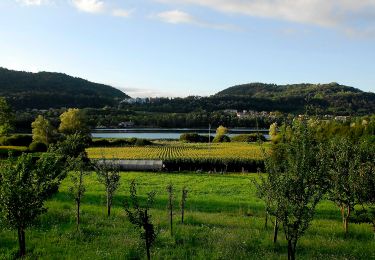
x=248, y=138
x=221, y=139
x=140, y=216
x=296, y=182
x=108, y=175
x=221, y=130
x=25, y=186
x=73, y=146
x=73, y=121
x=16, y=140
x=344, y=174
x=6, y=117
x=194, y=138
x=38, y=147
x=43, y=131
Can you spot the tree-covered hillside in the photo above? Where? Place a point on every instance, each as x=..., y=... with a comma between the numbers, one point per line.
x=330, y=97
x=45, y=90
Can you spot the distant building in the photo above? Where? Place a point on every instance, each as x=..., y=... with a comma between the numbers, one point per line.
x=233, y=111
x=126, y=124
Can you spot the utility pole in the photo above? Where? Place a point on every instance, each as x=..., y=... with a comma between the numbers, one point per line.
x=209, y=133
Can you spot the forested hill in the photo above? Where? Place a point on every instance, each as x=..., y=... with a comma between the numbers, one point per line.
x=331, y=97
x=314, y=99
x=262, y=90
x=45, y=90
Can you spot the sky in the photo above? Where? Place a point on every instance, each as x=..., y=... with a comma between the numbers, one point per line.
x=192, y=47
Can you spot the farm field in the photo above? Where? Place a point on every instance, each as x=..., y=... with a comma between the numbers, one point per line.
x=224, y=220
x=178, y=150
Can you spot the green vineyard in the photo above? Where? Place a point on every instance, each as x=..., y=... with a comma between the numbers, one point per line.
x=168, y=151
x=233, y=157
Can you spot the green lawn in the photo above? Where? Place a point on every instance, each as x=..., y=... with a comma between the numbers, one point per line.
x=224, y=220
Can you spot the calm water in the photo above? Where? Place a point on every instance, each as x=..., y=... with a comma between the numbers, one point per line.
x=164, y=133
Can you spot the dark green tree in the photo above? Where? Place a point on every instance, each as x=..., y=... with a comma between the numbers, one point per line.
x=6, y=117
x=108, y=175
x=140, y=216
x=25, y=185
x=297, y=179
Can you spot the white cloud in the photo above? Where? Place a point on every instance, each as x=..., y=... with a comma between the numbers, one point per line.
x=122, y=12
x=89, y=6
x=326, y=13
x=180, y=17
x=32, y=2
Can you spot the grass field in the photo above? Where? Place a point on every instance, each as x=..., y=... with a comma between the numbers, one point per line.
x=224, y=220
x=173, y=150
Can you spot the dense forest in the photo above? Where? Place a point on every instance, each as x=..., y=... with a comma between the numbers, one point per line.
x=45, y=90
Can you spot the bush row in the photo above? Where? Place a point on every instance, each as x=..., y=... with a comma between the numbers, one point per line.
x=103, y=142
x=197, y=138
x=214, y=165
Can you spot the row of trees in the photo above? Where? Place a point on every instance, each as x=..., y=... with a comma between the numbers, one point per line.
x=303, y=168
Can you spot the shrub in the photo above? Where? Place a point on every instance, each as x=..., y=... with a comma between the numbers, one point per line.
x=142, y=142
x=248, y=138
x=100, y=143
x=194, y=138
x=221, y=139
x=38, y=147
x=16, y=140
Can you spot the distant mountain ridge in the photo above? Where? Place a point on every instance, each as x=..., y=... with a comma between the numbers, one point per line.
x=45, y=90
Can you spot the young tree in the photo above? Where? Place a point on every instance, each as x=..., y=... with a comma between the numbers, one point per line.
x=25, y=186
x=344, y=169
x=221, y=130
x=77, y=188
x=273, y=131
x=43, y=131
x=297, y=174
x=170, y=191
x=109, y=175
x=6, y=117
x=140, y=216
x=73, y=121
x=183, y=203
x=73, y=146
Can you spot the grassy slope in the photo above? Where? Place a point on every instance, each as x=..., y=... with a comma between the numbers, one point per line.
x=224, y=220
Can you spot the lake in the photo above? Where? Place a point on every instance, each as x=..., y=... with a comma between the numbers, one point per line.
x=165, y=133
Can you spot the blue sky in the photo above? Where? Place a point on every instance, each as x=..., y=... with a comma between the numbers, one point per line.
x=192, y=47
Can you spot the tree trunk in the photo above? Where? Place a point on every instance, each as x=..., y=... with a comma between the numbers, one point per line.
x=108, y=205
x=171, y=219
x=291, y=250
x=182, y=213
x=345, y=218
x=266, y=220
x=148, y=251
x=22, y=242
x=78, y=214
x=275, y=230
